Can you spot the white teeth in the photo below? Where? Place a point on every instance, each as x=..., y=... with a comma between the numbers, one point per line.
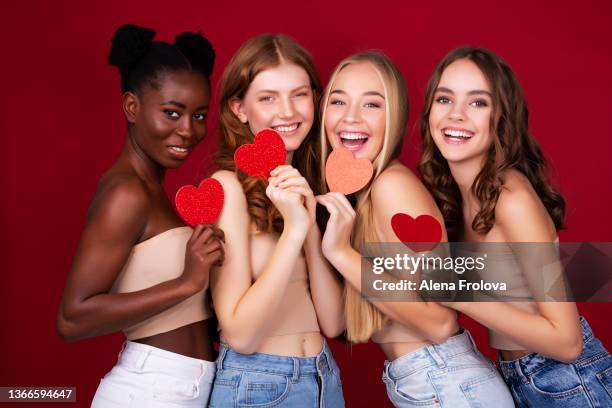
x=353, y=135
x=289, y=128
x=179, y=149
x=458, y=133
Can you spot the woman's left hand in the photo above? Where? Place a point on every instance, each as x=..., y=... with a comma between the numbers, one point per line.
x=337, y=237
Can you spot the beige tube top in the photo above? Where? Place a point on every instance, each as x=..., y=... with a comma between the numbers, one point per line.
x=156, y=260
x=296, y=313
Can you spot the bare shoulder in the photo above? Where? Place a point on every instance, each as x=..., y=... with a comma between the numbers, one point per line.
x=232, y=188
x=235, y=203
x=519, y=212
x=122, y=193
x=399, y=186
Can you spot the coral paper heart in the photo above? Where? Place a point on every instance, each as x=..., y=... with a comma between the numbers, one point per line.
x=346, y=174
x=422, y=233
x=259, y=158
x=200, y=205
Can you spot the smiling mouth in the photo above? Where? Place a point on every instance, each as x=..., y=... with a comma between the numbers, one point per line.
x=353, y=140
x=457, y=133
x=287, y=129
x=179, y=152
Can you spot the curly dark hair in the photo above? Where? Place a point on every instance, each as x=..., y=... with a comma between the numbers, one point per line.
x=513, y=147
x=141, y=60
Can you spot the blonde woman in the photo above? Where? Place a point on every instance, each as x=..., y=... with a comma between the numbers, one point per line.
x=432, y=362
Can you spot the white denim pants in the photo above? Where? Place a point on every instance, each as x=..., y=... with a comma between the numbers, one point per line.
x=147, y=376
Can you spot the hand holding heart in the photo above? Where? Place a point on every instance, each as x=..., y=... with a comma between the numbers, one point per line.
x=337, y=237
x=288, y=178
x=289, y=198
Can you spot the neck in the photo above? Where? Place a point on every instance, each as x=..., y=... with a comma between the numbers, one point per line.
x=289, y=158
x=465, y=174
x=142, y=164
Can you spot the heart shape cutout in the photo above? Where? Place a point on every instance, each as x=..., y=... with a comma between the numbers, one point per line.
x=420, y=234
x=259, y=158
x=346, y=174
x=202, y=204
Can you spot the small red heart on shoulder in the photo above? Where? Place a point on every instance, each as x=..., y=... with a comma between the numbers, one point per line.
x=202, y=204
x=420, y=234
x=346, y=174
x=259, y=158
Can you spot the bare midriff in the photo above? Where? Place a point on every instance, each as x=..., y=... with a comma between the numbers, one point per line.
x=193, y=340
x=509, y=355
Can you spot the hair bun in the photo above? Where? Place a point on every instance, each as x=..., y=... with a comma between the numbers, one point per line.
x=130, y=44
x=197, y=49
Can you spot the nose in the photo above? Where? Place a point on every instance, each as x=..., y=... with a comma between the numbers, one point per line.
x=352, y=114
x=185, y=128
x=287, y=110
x=456, y=112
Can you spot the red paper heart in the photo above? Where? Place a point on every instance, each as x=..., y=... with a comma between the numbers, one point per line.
x=200, y=205
x=346, y=174
x=420, y=234
x=259, y=158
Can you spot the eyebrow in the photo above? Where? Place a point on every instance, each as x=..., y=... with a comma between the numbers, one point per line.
x=474, y=92
x=369, y=93
x=182, y=105
x=275, y=92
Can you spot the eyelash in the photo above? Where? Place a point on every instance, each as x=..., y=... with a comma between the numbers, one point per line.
x=480, y=103
x=170, y=113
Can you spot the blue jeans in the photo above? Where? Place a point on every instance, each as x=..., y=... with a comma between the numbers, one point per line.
x=452, y=374
x=267, y=380
x=538, y=381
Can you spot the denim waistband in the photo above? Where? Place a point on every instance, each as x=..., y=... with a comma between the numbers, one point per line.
x=294, y=367
x=532, y=362
x=432, y=355
x=143, y=358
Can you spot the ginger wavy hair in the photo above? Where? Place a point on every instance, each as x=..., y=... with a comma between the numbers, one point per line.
x=254, y=56
x=513, y=147
x=362, y=317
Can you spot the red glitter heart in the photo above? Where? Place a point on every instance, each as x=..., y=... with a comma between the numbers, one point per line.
x=259, y=158
x=346, y=174
x=202, y=204
x=420, y=234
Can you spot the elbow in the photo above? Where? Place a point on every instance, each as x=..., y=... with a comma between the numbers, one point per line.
x=66, y=330
x=240, y=345
x=570, y=352
x=332, y=333
x=441, y=332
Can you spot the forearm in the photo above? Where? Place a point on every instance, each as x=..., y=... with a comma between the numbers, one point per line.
x=254, y=313
x=107, y=313
x=326, y=287
x=558, y=338
x=434, y=321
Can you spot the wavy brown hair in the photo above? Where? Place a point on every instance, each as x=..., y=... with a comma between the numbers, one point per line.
x=513, y=147
x=254, y=56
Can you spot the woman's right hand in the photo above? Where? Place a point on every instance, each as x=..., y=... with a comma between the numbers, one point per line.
x=291, y=206
x=204, y=250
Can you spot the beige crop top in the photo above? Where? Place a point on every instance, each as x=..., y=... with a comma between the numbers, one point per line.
x=156, y=260
x=296, y=313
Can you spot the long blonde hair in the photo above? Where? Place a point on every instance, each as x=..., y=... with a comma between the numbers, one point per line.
x=362, y=318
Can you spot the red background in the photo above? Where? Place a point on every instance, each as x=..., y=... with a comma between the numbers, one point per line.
x=62, y=126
